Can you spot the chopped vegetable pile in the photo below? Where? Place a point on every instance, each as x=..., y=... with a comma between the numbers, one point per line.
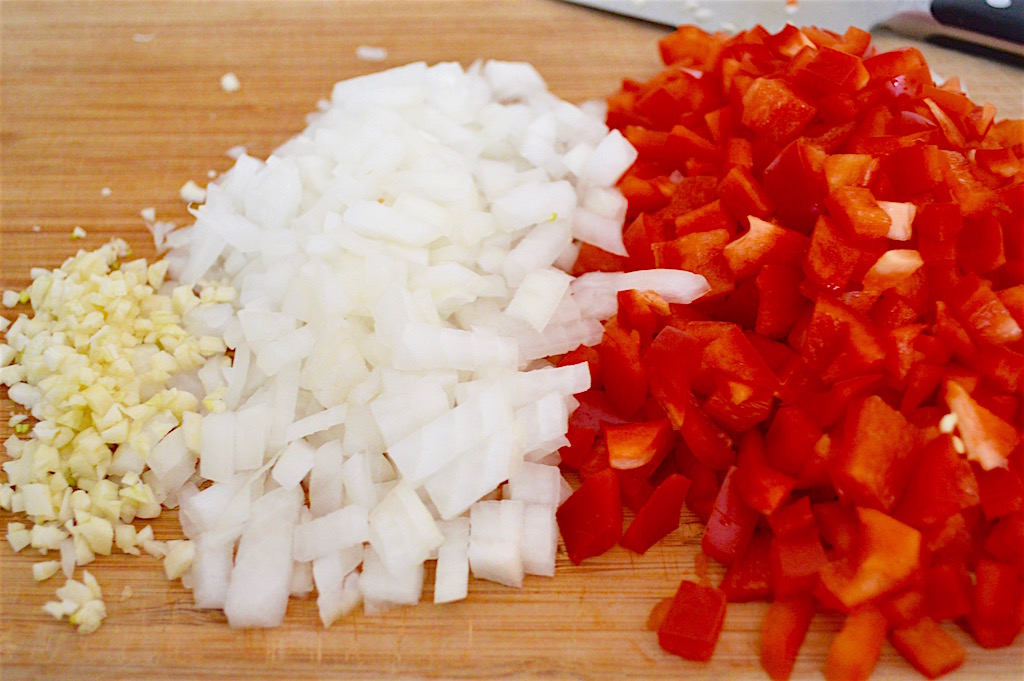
x=843, y=408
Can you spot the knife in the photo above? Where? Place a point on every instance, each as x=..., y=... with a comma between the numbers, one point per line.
x=993, y=24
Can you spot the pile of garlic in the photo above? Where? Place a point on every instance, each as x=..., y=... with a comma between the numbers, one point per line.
x=96, y=366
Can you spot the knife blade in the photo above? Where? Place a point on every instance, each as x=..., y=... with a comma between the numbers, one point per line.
x=992, y=24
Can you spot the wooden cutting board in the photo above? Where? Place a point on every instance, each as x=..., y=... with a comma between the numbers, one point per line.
x=127, y=96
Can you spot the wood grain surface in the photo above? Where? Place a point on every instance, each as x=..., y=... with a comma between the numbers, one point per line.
x=126, y=95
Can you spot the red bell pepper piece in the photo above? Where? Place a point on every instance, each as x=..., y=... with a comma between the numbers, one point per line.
x=659, y=516
x=763, y=488
x=913, y=170
x=795, y=182
x=637, y=445
x=734, y=355
x=856, y=210
x=731, y=524
x=742, y=195
x=641, y=233
x=1001, y=490
x=832, y=70
x=764, y=242
x=693, y=622
x=683, y=142
x=796, y=560
x=877, y=455
x=948, y=588
x=888, y=554
x=774, y=111
x=782, y=633
x=832, y=256
x=709, y=217
x=980, y=246
x=710, y=444
x=1005, y=541
x=737, y=407
x=989, y=439
x=849, y=170
x=701, y=253
x=590, y=520
x=670, y=363
x=931, y=649
x=590, y=258
x=796, y=516
x=904, y=607
x=993, y=620
x=690, y=46
x=749, y=577
x=888, y=65
x=941, y=484
x=635, y=489
x=622, y=373
x=982, y=312
x=837, y=524
x=780, y=302
x=790, y=439
x=594, y=410
x=855, y=650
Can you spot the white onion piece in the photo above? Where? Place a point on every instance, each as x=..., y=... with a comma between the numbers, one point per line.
x=326, y=479
x=172, y=461
x=596, y=291
x=538, y=296
x=318, y=422
x=456, y=431
x=495, y=531
x=217, y=453
x=538, y=541
x=331, y=533
x=293, y=465
x=250, y=446
x=451, y=577
x=384, y=585
x=612, y=157
x=257, y=594
x=536, y=484
x=402, y=530
x=211, y=571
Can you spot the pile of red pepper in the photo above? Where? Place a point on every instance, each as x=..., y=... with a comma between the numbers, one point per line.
x=843, y=409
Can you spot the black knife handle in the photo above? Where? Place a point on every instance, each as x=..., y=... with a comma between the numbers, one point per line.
x=997, y=18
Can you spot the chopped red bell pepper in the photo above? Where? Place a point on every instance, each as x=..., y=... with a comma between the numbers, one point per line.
x=941, y=484
x=764, y=243
x=855, y=650
x=731, y=524
x=749, y=577
x=590, y=520
x=763, y=488
x=772, y=109
x=989, y=440
x=877, y=456
x=693, y=622
x=622, y=373
x=856, y=210
x=993, y=620
x=659, y=516
x=888, y=554
x=796, y=559
x=780, y=302
x=636, y=445
x=931, y=649
x=948, y=588
x=782, y=633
